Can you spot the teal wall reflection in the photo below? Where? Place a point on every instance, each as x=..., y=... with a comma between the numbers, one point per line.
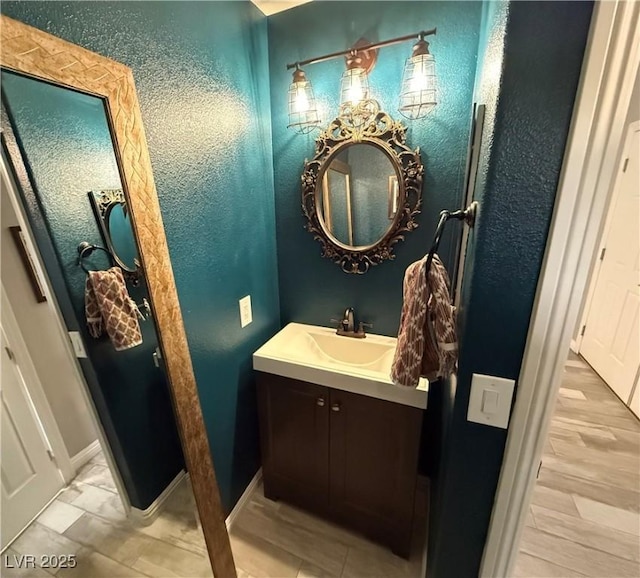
x=66, y=143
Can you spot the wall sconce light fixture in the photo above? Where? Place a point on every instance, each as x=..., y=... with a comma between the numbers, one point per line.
x=354, y=86
x=418, y=92
x=418, y=95
x=303, y=112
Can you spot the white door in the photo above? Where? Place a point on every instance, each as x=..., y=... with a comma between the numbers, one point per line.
x=30, y=478
x=611, y=341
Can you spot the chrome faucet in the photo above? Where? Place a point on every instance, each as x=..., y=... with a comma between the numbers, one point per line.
x=347, y=325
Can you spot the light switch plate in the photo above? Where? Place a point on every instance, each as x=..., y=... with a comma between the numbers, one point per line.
x=78, y=346
x=246, y=316
x=490, y=400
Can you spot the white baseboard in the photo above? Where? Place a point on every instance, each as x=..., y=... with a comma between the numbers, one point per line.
x=244, y=499
x=146, y=517
x=83, y=456
x=574, y=346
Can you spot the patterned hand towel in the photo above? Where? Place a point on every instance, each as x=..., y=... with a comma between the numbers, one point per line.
x=109, y=307
x=427, y=340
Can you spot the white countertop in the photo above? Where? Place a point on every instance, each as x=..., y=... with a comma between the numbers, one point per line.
x=317, y=355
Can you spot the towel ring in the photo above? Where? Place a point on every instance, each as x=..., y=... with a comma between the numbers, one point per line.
x=85, y=249
x=467, y=215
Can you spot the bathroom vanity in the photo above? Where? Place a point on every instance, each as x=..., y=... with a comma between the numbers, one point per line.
x=338, y=438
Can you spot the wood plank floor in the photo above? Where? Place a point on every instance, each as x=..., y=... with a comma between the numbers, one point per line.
x=584, y=519
x=585, y=515
x=269, y=539
x=274, y=540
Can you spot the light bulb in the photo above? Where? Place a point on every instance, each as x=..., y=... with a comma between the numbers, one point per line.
x=419, y=79
x=303, y=111
x=354, y=87
x=302, y=101
x=419, y=85
x=355, y=93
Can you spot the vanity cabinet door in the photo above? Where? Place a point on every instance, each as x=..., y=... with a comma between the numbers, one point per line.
x=374, y=447
x=294, y=432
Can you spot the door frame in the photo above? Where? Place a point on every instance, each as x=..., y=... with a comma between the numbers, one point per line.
x=66, y=466
x=612, y=58
x=576, y=344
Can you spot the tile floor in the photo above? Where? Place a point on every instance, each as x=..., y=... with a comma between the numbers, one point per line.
x=585, y=515
x=268, y=539
x=87, y=519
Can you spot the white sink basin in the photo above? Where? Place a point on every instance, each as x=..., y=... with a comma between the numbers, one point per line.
x=317, y=355
x=353, y=351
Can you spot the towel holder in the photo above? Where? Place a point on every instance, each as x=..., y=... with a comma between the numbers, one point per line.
x=85, y=249
x=467, y=215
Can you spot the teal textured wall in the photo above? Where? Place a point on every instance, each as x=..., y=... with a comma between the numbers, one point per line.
x=313, y=289
x=532, y=60
x=201, y=74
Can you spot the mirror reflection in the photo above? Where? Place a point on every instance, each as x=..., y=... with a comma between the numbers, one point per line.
x=65, y=139
x=358, y=195
x=121, y=235
x=110, y=208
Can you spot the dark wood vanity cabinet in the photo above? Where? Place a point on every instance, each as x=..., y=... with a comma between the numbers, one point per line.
x=342, y=455
x=294, y=432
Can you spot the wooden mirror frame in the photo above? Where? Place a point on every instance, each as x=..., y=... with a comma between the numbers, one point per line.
x=39, y=55
x=389, y=136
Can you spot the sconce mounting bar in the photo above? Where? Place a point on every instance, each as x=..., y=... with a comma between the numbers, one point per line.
x=364, y=48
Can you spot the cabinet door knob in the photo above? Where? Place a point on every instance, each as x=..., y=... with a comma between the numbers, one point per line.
x=320, y=401
x=335, y=407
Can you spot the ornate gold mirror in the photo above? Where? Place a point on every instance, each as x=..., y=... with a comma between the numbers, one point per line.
x=362, y=191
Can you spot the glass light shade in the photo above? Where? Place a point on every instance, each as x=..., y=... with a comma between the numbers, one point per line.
x=303, y=111
x=419, y=86
x=354, y=87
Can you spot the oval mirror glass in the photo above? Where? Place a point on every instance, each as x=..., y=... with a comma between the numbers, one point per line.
x=358, y=195
x=121, y=235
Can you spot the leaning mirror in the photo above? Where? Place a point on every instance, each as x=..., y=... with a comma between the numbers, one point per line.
x=110, y=209
x=104, y=85
x=362, y=191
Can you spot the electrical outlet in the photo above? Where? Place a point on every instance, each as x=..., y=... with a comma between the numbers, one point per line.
x=78, y=346
x=246, y=316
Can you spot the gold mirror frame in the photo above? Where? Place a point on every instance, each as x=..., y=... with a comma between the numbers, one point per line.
x=389, y=136
x=32, y=52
